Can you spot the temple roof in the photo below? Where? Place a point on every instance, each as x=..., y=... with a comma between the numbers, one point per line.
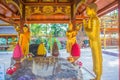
x=50, y=11
x=7, y=30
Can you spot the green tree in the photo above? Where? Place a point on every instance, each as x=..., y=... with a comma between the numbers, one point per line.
x=43, y=31
x=58, y=30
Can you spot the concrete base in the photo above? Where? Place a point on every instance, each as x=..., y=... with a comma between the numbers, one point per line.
x=49, y=68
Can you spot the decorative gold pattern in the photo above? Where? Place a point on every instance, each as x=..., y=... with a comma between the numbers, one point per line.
x=47, y=10
x=58, y=10
x=47, y=0
x=31, y=0
x=37, y=10
x=28, y=11
x=64, y=0
x=67, y=10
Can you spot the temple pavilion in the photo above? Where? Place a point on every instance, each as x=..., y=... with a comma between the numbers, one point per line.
x=14, y=14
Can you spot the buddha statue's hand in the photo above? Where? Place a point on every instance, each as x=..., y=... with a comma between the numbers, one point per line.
x=86, y=26
x=87, y=30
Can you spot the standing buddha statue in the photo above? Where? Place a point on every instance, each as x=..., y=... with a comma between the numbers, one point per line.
x=92, y=29
x=24, y=40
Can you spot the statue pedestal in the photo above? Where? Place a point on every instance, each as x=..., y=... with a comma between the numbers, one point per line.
x=47, y=68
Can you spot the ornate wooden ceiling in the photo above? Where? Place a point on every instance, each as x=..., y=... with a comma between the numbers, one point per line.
x=50, y=11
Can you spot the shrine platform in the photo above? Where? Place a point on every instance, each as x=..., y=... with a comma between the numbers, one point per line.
x=47, y=68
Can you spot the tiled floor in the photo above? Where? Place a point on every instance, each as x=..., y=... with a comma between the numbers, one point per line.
x=110, y=63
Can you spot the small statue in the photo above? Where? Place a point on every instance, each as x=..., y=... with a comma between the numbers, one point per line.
x=55, y=50
x=71, y=37
x=92, y=29
x=41, y=51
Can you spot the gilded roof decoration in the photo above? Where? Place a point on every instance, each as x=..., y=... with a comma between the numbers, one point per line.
x=64, y=0
x=32, y=0
x=47, y=0
x=47, y=10
x=56, y=10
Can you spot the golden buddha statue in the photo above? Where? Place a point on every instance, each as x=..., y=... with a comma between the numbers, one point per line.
x=41, y=51
x=71, y=44
x=24, y=40
x=69, y=37
x=92, y=29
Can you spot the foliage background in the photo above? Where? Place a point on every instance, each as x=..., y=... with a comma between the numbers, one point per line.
x=48, y=34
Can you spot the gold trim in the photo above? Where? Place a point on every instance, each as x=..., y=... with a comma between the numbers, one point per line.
x=47, y=10
x=5, y=25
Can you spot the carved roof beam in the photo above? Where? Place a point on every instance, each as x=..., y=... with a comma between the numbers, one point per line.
x=55, y=1
x=7, y=8
x=2, y=15
x=72, y=12
x=22, y=2
x=39, y=1
x=8, y=20
x=5, y=19
x=16, y=17
x=5, y=24
x=45, y=21
x=48, y=20
x=42, y=4
x=108, y=8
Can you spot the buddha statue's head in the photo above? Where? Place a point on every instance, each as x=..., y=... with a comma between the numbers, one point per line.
x=91, y=9
x=25, y=28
